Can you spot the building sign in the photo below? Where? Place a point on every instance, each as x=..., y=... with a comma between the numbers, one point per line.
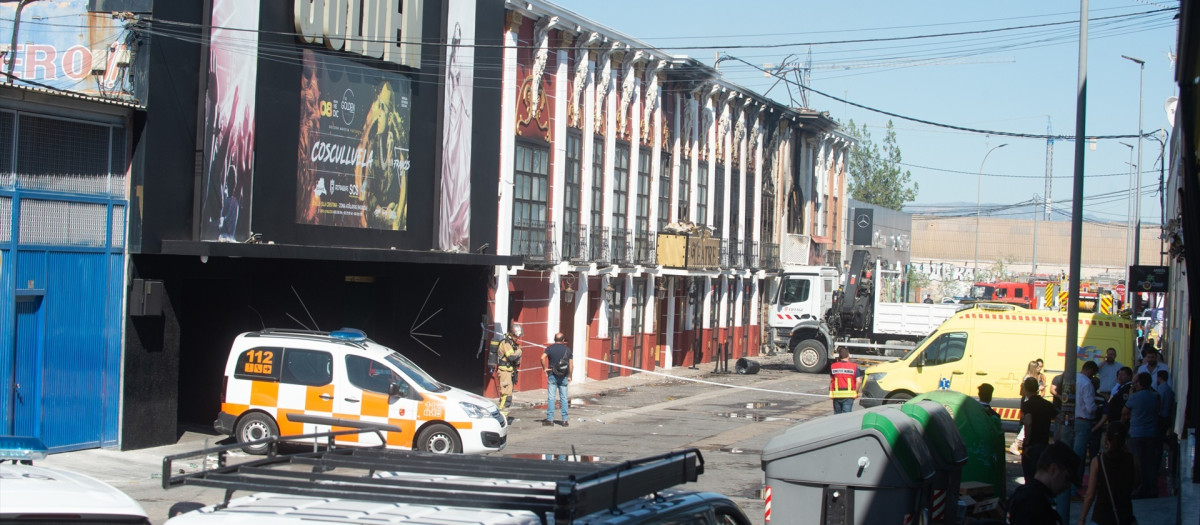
x=353, y=157
x=454, y=220
x=60, y=45
x=864, y=221
x=385, y=29
x=229, y=121
x=672, y=250
x=1149, y=278
x=695, y=252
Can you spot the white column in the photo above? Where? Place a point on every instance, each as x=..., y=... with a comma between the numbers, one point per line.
x=669, y=328
x=500, y=307
x=553, y=306
x=754, y=313
x=656, y=147
x=737, y=303
x=676, y=161
x=650, y=299
x=508, y=133
x=610, y=142
x=587, y=149
x=627, y=306
x=744, y=214
x=757, y=187
x=559, y=159
x=711, y=160
x=727, y=159
x=635, y=149
x=706, y=304
x=602, y=314
x=579, y=338
x=723, y=305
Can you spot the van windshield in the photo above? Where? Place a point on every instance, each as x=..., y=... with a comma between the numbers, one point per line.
x=414, y=372
x=980, y=291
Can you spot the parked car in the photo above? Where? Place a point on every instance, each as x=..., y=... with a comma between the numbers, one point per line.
x=34, y=494
x=293, y=381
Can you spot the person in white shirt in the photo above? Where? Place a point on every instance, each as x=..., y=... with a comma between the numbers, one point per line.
x=1108, y=372
x=1085, y=407
x=1152, y=366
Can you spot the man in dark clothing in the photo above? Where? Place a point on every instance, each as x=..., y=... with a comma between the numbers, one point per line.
x=1033, y=502
x=1036, y=415
x=557, y=363
x=985, y=398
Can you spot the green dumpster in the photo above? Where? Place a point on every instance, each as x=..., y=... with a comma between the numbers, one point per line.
x=982, y=435
x=949, y=455
x=855, y=468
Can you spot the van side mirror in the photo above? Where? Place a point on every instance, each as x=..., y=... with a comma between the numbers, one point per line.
x=919, y=360
x=398, y=390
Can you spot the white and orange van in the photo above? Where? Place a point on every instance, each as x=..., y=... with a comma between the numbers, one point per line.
x=994, y=343
x=291, y=382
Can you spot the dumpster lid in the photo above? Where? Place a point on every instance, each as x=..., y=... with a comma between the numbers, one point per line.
x=945, y=442
x=904, y=437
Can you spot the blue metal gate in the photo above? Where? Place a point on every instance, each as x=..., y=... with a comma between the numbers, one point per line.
x=62, y=265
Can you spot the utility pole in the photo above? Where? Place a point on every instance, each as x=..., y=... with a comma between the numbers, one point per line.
x=1036, y=212
x=1137, y=206
x=1072, y=336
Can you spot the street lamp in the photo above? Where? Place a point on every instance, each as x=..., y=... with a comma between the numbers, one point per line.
x=1137, y=207
x=978, y=185
x=1133, y=191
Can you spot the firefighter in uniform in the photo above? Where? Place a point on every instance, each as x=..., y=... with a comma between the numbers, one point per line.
x=508, y=358
x=845, y=384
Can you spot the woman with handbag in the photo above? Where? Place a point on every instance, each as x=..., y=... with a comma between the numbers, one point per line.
x=1111, y=481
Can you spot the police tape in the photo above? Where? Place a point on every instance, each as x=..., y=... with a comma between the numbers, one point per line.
x=525, y=342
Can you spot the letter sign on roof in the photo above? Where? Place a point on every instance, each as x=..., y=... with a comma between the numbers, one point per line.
x=386, y=29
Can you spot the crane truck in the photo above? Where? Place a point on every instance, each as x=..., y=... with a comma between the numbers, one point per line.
x=812, y=319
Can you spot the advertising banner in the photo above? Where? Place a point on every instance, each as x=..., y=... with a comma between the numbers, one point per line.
x=454, y=224
x=229, y=121
x=61, y=45
x=353, y=157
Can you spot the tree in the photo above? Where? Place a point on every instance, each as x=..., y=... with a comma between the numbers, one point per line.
x=875, y=173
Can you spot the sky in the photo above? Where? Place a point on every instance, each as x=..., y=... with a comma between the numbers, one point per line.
x=998, y=79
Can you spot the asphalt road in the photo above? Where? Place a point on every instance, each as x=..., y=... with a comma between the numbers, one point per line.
x=729, y=417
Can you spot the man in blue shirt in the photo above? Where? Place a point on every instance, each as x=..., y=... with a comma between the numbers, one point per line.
x=1144, y=439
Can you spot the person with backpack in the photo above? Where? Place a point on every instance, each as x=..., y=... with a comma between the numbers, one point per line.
x=556, y=361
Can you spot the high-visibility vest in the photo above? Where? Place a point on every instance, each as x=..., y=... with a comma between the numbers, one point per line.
x=843, y=380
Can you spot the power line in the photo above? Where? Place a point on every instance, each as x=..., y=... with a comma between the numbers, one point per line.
x=932, y=123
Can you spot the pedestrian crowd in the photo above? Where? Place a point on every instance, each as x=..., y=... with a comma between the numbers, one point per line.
x=1105, y=452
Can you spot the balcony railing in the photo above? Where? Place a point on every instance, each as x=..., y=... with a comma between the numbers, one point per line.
x=644, y=252
x=575, y=243
x=598, y=244
x=751, y=255
x=622, y=247
x=723, y=257
x=534, y=241
x=770, y=256
x=735, y=254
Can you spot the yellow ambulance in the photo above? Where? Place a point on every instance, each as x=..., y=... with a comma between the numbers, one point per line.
x=293, y=382
x=994, y=343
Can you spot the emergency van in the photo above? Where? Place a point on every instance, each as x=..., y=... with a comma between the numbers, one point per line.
x=994, y=343
x=299, y=382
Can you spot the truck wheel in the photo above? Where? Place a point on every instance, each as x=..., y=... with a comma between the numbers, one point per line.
x=439, y=439
x=898, y=398
x=810, y=356
x=255, y=426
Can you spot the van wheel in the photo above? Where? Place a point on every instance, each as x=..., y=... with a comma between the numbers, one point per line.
x=810, y=356
x=439, y=439
x=255, y=426
x=898, y=398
